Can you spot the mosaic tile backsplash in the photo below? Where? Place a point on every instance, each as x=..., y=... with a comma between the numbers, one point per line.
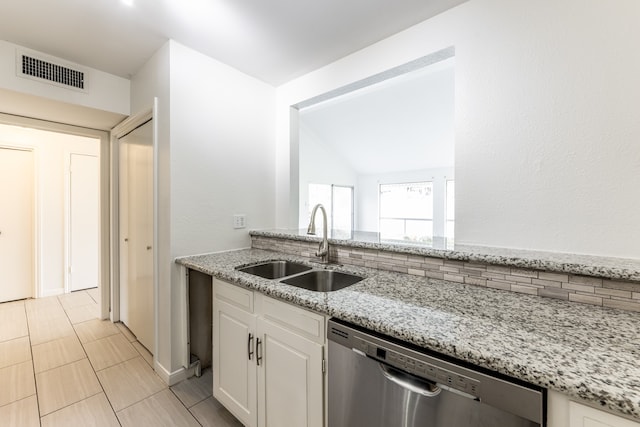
x=621, y=294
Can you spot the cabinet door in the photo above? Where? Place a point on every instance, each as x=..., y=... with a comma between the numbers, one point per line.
x=234, y=368
x=290, y=379
x=585, y=416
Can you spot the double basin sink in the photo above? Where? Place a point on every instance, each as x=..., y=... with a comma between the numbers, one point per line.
x=302, y=276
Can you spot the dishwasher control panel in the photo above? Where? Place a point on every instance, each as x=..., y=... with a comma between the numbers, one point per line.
x=418, y=367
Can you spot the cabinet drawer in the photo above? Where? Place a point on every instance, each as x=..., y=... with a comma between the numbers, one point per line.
x=304, y=322
x=240, y=297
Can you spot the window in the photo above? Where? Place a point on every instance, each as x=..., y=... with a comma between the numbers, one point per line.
x=406, y=212
x=338, y=202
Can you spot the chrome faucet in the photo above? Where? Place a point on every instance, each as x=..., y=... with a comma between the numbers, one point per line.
x=323, y=250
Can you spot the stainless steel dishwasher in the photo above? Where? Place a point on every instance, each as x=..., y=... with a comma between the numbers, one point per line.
x=375, y=381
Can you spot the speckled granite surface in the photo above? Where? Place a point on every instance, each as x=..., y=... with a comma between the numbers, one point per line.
x=591, y=353
x=613, y=268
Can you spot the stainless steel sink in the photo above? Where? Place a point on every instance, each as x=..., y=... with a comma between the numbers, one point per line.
x=275, y=269
x=323, y=280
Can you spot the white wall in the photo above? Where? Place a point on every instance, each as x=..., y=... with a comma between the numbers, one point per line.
x=222, y=153
x=106, y=92
x=546, y=124
x=553, y=160
x=216, y=159
x=222, y=157
x=51, y=150
x=319, y=164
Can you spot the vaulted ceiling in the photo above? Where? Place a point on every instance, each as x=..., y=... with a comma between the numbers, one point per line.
x=402, y=124
x=274, y=41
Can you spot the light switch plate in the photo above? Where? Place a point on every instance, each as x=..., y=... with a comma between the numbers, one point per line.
x=239, y=221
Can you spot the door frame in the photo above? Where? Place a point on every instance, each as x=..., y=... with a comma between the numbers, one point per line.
x=104, y=239
x=36, y=289
x=118, y=132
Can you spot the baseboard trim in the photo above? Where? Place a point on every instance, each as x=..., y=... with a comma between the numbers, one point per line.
x=52, y=292
x=171, y=378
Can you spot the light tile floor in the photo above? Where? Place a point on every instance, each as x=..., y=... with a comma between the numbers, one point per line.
x=61, y=366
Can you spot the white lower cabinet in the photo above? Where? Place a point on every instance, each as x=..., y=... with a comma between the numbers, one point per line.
x=563, y=412
x=585, y=416
x=267, y=359
x=234, y=371
x=290, y=378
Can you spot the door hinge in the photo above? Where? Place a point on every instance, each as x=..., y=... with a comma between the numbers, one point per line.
x=324, y=365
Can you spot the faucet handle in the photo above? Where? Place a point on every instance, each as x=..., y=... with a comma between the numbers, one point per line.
x=323, y=249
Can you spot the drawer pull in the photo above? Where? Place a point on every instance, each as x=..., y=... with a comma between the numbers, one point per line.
x=250, y=346
x=258, y=351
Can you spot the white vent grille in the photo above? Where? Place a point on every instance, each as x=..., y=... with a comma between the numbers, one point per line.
x=55, y=73
x=47, y=69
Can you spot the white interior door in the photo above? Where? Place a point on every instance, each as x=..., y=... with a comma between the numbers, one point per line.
x=84, y=221
x=136, y=233
x=16, y=224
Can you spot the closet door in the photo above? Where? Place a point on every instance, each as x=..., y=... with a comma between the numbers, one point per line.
x=84, y=221
x=136, y=233
x=16, y=224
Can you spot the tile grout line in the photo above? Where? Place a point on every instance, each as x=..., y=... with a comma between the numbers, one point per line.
x=141, y=400
x=94, y=371
x=185, y=406
x=71, y=404
x=117, y=364
x=189, y=408
x=26, y=308
x=33, y=366
x=66, y=364
x=114, y=365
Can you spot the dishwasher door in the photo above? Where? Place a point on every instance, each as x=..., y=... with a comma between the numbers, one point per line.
x=368, y=393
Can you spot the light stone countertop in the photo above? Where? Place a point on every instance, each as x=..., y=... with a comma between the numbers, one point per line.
x=588, y=265
x=587, y=352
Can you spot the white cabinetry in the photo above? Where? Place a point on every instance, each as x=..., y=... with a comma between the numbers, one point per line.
x=234, y=379
x=267, y=359
x=289, y=379
x=585, y=416
x=563, y=412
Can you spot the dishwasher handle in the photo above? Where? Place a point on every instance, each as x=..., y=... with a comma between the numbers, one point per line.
x=409, y=382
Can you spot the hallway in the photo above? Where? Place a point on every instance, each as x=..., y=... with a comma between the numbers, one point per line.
x=61, y=366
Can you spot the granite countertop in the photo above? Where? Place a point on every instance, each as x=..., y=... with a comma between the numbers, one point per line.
x=586, y=352
x=588, y=265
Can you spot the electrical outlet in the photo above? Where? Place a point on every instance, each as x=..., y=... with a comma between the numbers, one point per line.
x=239, y=221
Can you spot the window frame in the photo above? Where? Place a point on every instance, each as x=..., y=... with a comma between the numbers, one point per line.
x=330, y=209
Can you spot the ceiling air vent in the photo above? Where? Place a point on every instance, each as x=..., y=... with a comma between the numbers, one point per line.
x=44, y=70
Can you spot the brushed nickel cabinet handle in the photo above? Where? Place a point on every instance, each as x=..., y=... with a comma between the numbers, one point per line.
x=250, y=346
x=258, y=351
